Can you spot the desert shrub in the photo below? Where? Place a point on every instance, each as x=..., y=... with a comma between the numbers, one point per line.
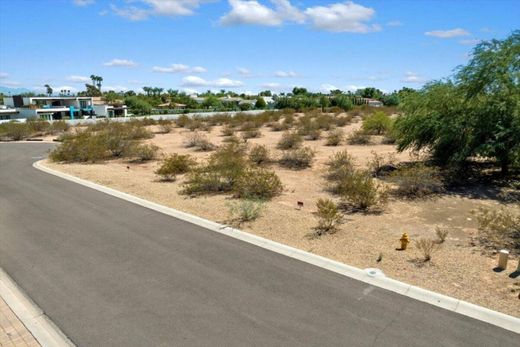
x=334, y=137
x=358, y=138
x=200, y=142
x=329, y=216
x=259, y=154
x=289, y=140
x=14, y=131
x=359, y=190
x=308, y=128
x=245, y=210
x=117, y=144
x=165, y=126
x=150, y=121
x=499, y=228
x=232, y=139
x=258, y=184
x=251, y=134
x=175, y=164
x=145, y=152
x=441, y=233
x=182, y=121
x=58, y=126
x=378, y=165
x=228, y=131
x=220, y=174
x=343, y=120
x=325, y=121
x=82, y=147
x=417, y=181
x=288, y=117
x=277, y=126
x=339, y=165
x=377, y=124
x=249, y=125
x=299, y=158
x=427, y=247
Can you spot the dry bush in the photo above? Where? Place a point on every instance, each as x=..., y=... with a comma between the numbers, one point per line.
x=175, y=164
x=259, y=154
x=339, y=165
x=343, y=120
x=245, y=210
x=182, y=121
x=289, y=140
x=145, y=152
x=325, y=121
x=232, y=139
x=360, y=191
x=14, y=131
x=228, y=130
x=378, y=165
x=248, y=126
x=427, y=247
x=335, y=137
x=258, y=184
x=499, y=228
x=200, y=142
x=251, y=134
x=84, y=146
x=298, y=159
x=417, y=181
x=358, y=138
x=165, y=128
x=277, y=126
x=329, y=217
x=442, y=234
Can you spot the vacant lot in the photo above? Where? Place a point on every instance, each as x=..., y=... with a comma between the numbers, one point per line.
x=459, y=267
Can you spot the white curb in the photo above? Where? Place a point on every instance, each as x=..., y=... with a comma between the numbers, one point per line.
x=39, y=325
x=462, y=307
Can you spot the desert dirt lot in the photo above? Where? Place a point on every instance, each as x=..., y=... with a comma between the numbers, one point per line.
x=458, y=268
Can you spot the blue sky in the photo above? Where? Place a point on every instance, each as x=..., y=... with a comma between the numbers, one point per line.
x=245, y=46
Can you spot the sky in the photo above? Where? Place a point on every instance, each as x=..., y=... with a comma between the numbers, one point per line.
x=244, y=46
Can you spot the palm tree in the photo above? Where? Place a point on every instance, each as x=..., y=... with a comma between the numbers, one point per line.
x=93, y=78
x=99, y=80
x=49, y=89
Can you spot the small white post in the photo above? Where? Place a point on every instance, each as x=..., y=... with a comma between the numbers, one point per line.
x=502, y=259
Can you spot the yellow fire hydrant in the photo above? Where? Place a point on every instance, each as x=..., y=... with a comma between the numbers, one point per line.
x=405, y=240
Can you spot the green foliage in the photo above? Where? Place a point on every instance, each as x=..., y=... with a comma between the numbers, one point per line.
x=359, y=190
x=289, y=140
x=342, y=101
x=175, y=164
x=476, y=113
x=259, y=154
x=145, y=152
x=137, y=105
x=378, y=123
x=14, y=131
x=298, y=159
x=258, y=184
x=329, y=216
x=417, y=181
x=358, y=137
x=339, y=166
x=82, y=147
x=260, y=103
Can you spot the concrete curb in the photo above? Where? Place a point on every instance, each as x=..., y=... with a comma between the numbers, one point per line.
x=462, y=307
x=33, y=318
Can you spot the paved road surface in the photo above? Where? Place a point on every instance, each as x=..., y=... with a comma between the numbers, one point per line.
x=111, y=273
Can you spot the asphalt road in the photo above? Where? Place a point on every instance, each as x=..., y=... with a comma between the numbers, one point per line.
x=111, y=273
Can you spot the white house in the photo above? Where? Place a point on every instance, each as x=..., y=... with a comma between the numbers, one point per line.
x=62, y=107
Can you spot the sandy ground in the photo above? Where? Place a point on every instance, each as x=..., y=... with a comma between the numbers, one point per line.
x=458, y=268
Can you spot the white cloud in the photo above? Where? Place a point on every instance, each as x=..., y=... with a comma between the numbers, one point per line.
x=412, y=77
x=9, y=83
x=286, y=74
x=179, y=68
x=196, y=81
x=4, y=75
x=83, y=2
x=447, y=34
x=394, y=23
x=470, y=42
x=253, y=12
x=78, y=79
x=244, y=72
x=326, y=88
x=353, y=87
x=120, y=63
x=342, y=17
x=116, y=88
x=271, y=85
x=147, y=8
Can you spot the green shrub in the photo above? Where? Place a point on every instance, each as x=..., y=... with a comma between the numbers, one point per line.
x=14, y=131
x=329, y=216
x=245, y=210
x=358, y=138
x=258, y=184
x=259, y=154
x=361, y=191
x=82, y=147
x=417, y=181
x=377, y=124
x=335, y=137
x=300, y=158
x=37, y=126
x=499, y=228
x=175, y=164
x=145, y=152
x=289, y=140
